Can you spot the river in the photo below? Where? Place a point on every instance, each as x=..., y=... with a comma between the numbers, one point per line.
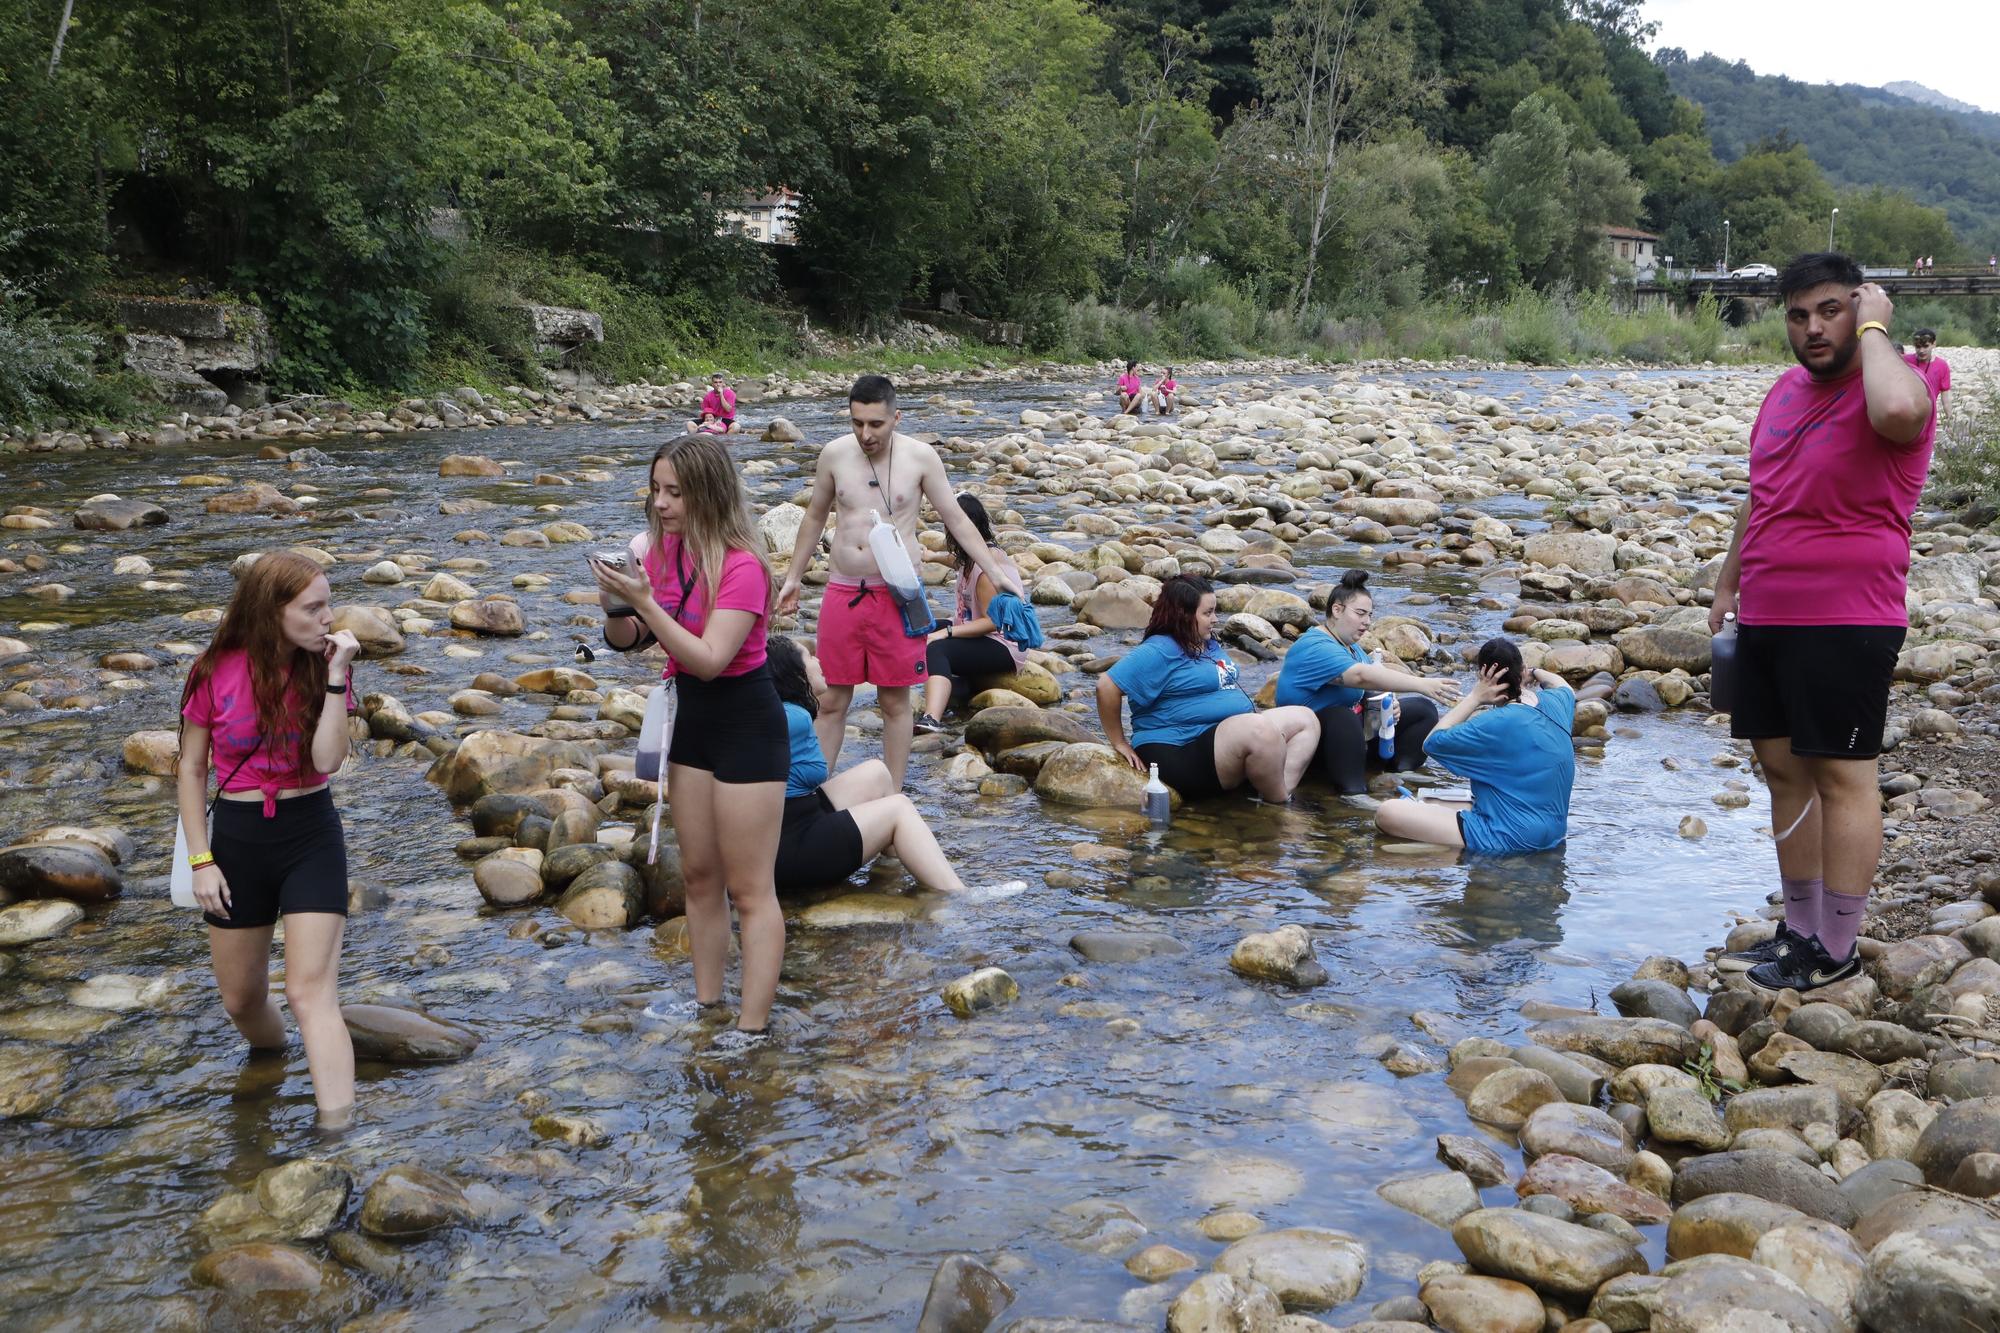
x=816, y=1186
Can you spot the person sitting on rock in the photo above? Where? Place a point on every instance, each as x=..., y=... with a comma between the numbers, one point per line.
x=1166, y=394
x=835, y=826
x=971, y=646
x=1516, y=753
x=718, y=408
x=1329, y=672
x=1189, y=714
x=1131, y=390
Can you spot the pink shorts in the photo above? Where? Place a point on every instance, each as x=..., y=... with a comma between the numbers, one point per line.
x=861, y=638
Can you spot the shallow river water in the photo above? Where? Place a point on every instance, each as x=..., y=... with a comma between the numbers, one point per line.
x=816, y=1185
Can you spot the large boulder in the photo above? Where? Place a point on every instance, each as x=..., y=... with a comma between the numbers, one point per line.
x=1584, y=552
x=108, y=513
x=1664, y=647
x=504, y=761
x=494, y=615
x=1307, y=1268
x=1115, y=606
x=373, y=628
x=1776, y=1176
x=405, y=1036
x=1087, y=773
x=1729, y=1293
x=75, y=871
x=779, y=525
x=1959, y=1130
x=1937, y=1279
x=1556, y=1258
x=155, y=752
x=608, y=896
x=993, y=730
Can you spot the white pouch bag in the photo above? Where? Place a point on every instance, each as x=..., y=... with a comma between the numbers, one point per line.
x=180, y=884
x=656, y=736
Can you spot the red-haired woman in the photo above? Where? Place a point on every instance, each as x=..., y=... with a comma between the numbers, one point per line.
x=267, y=701
x=1190, y=716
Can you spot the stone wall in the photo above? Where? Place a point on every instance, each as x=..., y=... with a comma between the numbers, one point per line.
x=200, y=354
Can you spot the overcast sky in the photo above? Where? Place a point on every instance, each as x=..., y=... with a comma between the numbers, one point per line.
x=1950, y=45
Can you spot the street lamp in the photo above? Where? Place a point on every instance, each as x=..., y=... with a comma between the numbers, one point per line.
x=1725, y=245
x=1829, y=227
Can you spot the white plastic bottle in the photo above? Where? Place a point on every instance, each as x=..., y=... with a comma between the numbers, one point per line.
x=892, y=558
x=1158, y=803
x=1385, y=733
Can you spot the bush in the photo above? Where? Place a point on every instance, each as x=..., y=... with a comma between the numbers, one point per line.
x=1965, y=468
x=45, y=367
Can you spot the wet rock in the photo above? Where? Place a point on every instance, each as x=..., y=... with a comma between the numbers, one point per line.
x=1284, y=955
x=31, y=1081
x=1306, y=1268
x=560, y=867
x=1468, y=1072
x=1507, y=1097
x=1577, y=1082
x=1959, y=1130
x=108, y=513
x=1157, y=1263
x=41, y=919
x=1940, y=1279
x=1725, y=1224
x=1219, y=1303
x=1439, y=1197
x=1468, y=1303
x=1664, y=648
x=256, y=498
x=504, y=761
x=118, y=992
x=1619, y=1041
x=59, y=870
x=965, y=1297
x=1558, y=1259
x=1655, y=999
x=405, y=1036
x=373, y=628
x=1123, y=946
x=1822, y=1261
x=492, y=616
x=154, y=752
x=508, y=878
x=608, y=896
x=1728, y=1293
x=408, y=1202
x=1590, y=1190
x=1778, y=1177
x=300, y=1200
x=1686, y=1117
x=987, y=988
x=1090, y=774
x=1578, y=1131
x=1471, y=1157
x=469, y=465
x=862, y=909
x=266, y=1269
x=1115, y=606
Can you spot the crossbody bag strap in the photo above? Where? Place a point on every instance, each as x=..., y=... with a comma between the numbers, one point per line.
x=209, y=807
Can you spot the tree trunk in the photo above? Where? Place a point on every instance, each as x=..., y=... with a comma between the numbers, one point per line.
x=62, y=34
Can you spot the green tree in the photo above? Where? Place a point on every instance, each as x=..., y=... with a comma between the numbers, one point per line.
x=1777, y=202
x=1553, y=198
x=1881, y=226
x=51, y=198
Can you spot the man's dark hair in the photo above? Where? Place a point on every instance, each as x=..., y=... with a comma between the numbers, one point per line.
x=1924, y=336
x=873, y=389
x=1809, y=271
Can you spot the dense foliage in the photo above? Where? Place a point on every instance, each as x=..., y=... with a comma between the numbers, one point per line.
x=391, y=179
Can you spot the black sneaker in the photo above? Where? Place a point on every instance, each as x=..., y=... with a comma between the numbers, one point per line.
x=1770, y=950
x=926, y=725
x=1805, y=967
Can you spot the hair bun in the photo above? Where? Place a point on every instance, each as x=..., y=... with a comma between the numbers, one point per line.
x=1354, y=578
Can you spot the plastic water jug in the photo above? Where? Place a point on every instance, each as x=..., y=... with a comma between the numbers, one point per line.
x=1722, y=666
x=1385, y=734
x=655, y=733
x=1158, y=802
x=892, y=558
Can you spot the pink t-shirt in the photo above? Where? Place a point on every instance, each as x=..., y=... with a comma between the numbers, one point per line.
x=1936, y=372
x=682, y=594
x=226, y=705
x=720, y=403
x=1829, y=536
x=1128, y=384
x=1166, y=385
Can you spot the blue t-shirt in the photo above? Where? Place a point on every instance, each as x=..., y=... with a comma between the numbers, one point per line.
x=1521, y=767
x=1176, y=697
x=1313, y=668
x=808, y=769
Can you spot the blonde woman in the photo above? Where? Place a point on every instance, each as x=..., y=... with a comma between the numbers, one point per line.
x=703, y=593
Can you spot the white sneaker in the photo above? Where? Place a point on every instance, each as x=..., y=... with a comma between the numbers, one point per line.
x=735, y=1041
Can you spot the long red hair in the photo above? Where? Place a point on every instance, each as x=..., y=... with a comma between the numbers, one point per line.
x=254, y=623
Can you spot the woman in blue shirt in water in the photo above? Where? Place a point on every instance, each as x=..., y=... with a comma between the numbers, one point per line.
x=1189, y=714
x=1516, y=753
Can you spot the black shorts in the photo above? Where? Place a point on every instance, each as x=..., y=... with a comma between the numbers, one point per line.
x=959, y=660
x=295, y=861
x=818, y=844
x=733, y=727
x=1189, y=769
x=1826, y=687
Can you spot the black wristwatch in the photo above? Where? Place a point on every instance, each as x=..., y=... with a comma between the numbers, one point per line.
x=332, y=688
x=619, y=612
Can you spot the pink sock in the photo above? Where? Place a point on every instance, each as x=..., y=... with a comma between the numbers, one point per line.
x=1840, y=923
x=1802, y=904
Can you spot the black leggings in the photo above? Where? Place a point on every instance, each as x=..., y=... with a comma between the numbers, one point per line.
x=958, y=660
x=1345, y=757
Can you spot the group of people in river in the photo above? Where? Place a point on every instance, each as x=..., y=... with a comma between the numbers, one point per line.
x=758, y=806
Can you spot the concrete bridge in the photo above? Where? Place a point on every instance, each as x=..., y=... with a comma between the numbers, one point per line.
x=1689, y=284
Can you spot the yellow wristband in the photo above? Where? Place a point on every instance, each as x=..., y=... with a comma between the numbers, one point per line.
x=1874, y=324
x=200, y=859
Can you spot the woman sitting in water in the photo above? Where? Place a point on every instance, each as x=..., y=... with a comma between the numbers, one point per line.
x=268, y=701
x=1166, y=393
x=1131, y=390
x=1190, y=716
x=971, y=646
x=1517, y=755
x=834, y=826
x=1329, y=672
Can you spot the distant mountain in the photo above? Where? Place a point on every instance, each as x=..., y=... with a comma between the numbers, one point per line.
x=1916, y=92
x=1858, y=136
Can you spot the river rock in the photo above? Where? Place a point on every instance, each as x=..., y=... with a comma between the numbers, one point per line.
x=268, y=1269
x=1468, y=1303
x=469, y=465
x=108, y=513
x=31, y=1080
x=1556, y=1258
x=965, y=1297
x=1577, y=1081
x=1854, y=1080
x=993, y=730
x=373, y=628
x=59, y=870
x=1655, y=999
x=40, y=919
x=408, y=1202
x=504, y=761
x=1578, y=1131
x=1590, y=1190
x=1583, y=552
x=1940, y=1279
x=1439, y=1197
x=1775, y=1176
x=1962, y=1080
x=1090, y=774
x=405, y=1036
x=608, y=896
x=508, y=879
x=1032, y=683
x=1722, y=1293
x=1115, y=606
x=1507, y=1097
x=986, y=988
x=1157, y=1263
x=1878, y=1182
x=1791, y=1108
x=300, y=1200
x=1619, y=1041
x=492, y=616
x=561, y=866
x=1472, y=1157
x=154, y=752
x=1664, y=648
x=1725, y=1224
x=1964, y=1128
x=1306, y=1268
x=1284, y=955
x=1822, y=1260
x=256, y=498
x=1219, y=1303
x=1124, y=946
x=1686, y=1117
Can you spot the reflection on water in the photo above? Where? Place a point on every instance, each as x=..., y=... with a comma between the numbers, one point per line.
x=816, y=1184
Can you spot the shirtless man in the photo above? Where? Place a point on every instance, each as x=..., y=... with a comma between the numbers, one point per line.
x=861, y=635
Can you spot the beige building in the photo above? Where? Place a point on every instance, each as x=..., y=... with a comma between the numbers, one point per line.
x=771, y=219
x=1634, y=253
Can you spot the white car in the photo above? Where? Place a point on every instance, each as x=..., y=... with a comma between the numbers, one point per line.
x=1754, y=271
